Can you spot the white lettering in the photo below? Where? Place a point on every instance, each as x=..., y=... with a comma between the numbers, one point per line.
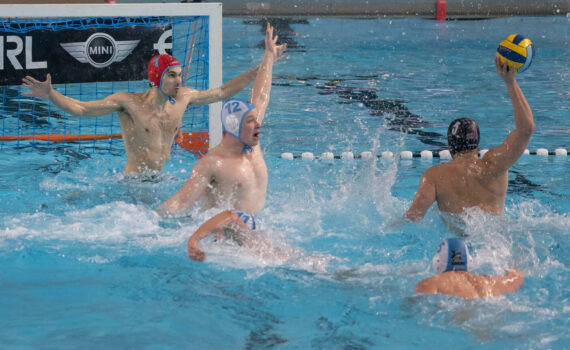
x=100, y=50
x=455, y=127
x=30, y=64
x=11, y=54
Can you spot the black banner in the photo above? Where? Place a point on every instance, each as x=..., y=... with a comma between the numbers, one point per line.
x=78, y=56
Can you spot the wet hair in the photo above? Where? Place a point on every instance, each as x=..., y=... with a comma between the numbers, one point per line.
x=462, y=135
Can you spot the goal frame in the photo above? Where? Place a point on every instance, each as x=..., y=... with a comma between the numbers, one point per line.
x=211, y=10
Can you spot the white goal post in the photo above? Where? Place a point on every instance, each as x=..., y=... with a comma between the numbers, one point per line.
x=212, y=10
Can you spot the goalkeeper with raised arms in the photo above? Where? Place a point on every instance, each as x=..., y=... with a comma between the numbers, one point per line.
x=151, y=120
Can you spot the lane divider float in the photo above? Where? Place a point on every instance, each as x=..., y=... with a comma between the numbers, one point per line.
x=445, y=154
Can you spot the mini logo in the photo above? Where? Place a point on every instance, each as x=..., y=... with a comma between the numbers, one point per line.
x=100, y=50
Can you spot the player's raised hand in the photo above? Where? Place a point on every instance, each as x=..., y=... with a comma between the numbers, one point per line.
x=39, y=88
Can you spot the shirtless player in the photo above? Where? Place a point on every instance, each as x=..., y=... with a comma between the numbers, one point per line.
x=233, y=175
x=468, y=181
x=150, y=120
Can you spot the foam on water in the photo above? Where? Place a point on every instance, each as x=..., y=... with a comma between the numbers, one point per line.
x=86, y=238
x=332, y=223
x=341, y=199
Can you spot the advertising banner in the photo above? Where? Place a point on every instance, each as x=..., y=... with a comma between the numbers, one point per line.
x=78, y=56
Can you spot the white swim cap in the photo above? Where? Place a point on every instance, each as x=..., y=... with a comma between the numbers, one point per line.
x=452, y=255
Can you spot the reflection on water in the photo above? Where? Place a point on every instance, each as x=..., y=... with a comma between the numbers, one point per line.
x=523, y=186
x=399, y=117
x=30, y=111
x=351, y=90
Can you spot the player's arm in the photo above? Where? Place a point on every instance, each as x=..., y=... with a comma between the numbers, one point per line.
x=423, y=199
x=501, y=158
x=224, y=92
x=108, y=105
x=213, y=225
x=191, y=191
x=509, y=283
x=261, y=89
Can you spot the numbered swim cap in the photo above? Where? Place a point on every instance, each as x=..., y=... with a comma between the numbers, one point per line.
x=157, y=66
x=247, y=219
x=462, y=135
x=233, y=112
x=452, y=255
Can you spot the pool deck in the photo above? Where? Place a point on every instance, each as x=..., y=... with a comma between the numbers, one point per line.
x=456, y=9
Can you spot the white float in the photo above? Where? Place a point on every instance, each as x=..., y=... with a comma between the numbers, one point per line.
x=445, y=154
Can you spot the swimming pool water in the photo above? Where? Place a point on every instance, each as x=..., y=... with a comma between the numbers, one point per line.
x=87, y=262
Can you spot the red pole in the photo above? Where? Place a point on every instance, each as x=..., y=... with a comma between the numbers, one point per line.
x=440, y=10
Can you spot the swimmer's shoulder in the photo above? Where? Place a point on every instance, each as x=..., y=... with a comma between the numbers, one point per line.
x=220, y=153
x=443, y=283
x=125, y=98
x=460, y=283
x=214, y=154
x=211, y=161
x=436, y=172
x=186, y=94
x=450, y=168
x=125, y=95
x=427, y=286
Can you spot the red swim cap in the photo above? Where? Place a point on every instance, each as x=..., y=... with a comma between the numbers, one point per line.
x=158, y=65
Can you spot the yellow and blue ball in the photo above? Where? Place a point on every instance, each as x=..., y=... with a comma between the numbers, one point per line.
x=517, y=50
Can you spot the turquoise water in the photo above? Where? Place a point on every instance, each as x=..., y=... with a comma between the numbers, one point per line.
x=87, y=262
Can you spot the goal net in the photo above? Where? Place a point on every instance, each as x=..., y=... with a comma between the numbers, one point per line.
x=92, y=51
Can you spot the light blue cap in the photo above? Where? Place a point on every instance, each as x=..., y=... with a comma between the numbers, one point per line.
x=247, y=219
x=452, y=255
x=233, y=112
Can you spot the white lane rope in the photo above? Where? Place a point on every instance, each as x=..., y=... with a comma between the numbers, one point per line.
x=445, y=154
